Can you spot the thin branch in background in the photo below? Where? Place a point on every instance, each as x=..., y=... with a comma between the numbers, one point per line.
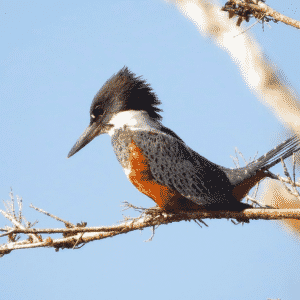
x=294, y=169
x=284, y=180
x=292, y=182
x=256, y=190
x=285, y=186
x=262, y=76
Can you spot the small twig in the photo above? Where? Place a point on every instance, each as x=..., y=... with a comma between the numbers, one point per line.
x=18, y=225
x=285, y=186
x=257, y=203
x=20, y=207
x=79, y=238
x=294, y=167
x=153, y=233
x=287, y=174
x=256, y=190
x=201, y=221
x=241, y=155
x=248, y=28
x=12, y=203
x=255, y=156
x=6, y=205
x=7, y=233
x=285, y=180
x=67, y=223
x=196, y=221
x=285, y=170
x=128, y=205
x=234, y=161
x=33, y=224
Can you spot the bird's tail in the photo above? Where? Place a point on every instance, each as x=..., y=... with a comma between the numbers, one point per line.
x=265, y=162
x=273, y=157
x=255, y=171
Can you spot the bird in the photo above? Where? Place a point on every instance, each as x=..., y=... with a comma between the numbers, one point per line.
x=158, y=162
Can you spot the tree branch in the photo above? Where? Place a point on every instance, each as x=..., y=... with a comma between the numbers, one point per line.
x=75, y=236
x=246, y=9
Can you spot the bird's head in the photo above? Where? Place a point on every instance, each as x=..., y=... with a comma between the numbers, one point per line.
x=124, y=91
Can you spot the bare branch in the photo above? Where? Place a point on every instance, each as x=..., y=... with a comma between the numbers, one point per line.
x=246, y=9
x=10, y=215
x=292, y=182
x=76, y=236
x=67, y=223
x=154, y=217
x=285, y=180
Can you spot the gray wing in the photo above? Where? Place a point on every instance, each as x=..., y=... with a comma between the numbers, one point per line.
x=177, y=166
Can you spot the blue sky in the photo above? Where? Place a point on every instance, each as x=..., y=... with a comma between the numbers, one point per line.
x=55, y=56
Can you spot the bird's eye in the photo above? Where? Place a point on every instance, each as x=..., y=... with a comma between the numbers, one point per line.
x=97, y=111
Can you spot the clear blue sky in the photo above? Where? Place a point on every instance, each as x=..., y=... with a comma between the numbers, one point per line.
x=54, y=57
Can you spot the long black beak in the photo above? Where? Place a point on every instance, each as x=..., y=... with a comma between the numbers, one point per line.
x=89, y=134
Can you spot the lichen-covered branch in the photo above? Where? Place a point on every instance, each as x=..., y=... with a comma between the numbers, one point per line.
x=246, y=9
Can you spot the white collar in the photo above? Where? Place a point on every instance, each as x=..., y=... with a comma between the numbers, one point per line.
x=134, y=120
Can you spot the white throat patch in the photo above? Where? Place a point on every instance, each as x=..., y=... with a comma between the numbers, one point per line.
x=135, y=120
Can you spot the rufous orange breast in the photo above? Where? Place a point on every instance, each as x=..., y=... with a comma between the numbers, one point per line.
x=140, y=176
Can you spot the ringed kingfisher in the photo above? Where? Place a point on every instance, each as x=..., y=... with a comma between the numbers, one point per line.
x=158, y=162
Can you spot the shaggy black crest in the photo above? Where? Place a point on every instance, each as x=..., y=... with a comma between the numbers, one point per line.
x=131, y=91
